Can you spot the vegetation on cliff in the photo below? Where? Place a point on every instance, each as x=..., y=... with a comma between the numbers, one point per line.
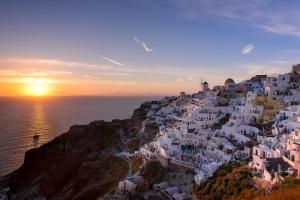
x=271, y=107
x=229, y=182
x=289, y=189
x=234, y=182
x=136, y=163
x=154, y=172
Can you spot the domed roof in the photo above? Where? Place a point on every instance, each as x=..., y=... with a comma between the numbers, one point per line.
x=229, y=81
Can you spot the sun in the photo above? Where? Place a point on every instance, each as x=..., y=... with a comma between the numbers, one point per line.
x=37, y=87
x=39, y=90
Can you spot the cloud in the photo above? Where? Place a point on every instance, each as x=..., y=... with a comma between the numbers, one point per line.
x=188, y=78
x=146, y=48
x=248, y=49
x=32, y=73
x=45, y=62
x=254, y=69
x=62, y=67
x=136, y=39
x=6, y=72
x=61, y=72
x=180, y=80
x=279, y=17
x=71, y=71
x=286, y=62
x=112, y=61
x=109, y=82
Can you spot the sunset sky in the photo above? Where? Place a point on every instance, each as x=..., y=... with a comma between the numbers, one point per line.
x=142, y=47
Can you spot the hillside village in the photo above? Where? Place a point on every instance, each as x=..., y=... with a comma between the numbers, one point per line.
x=254, y=122
x=219, y=143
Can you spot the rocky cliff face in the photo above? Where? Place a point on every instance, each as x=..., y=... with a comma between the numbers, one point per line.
x=72, y=165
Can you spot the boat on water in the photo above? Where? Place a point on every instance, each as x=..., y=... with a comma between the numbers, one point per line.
x=36, y=137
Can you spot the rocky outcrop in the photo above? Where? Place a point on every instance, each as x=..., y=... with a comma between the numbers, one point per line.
x=71, y=165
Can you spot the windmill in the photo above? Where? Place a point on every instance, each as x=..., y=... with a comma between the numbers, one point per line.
x=201, y=79
x=204, y=85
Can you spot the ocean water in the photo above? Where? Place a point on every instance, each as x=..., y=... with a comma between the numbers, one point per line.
x=22, y=118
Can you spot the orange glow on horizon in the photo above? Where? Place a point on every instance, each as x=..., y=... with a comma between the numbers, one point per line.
x=37, y=87
x=48, y=87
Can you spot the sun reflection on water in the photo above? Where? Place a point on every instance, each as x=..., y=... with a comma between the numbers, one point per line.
x=39, y=125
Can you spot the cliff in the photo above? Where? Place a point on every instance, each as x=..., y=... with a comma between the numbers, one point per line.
x=234, y=182
x=79, y=164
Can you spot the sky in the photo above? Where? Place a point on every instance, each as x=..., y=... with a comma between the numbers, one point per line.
x=142, y=47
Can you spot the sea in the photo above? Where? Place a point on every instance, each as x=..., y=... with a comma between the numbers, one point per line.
x=48, y=117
